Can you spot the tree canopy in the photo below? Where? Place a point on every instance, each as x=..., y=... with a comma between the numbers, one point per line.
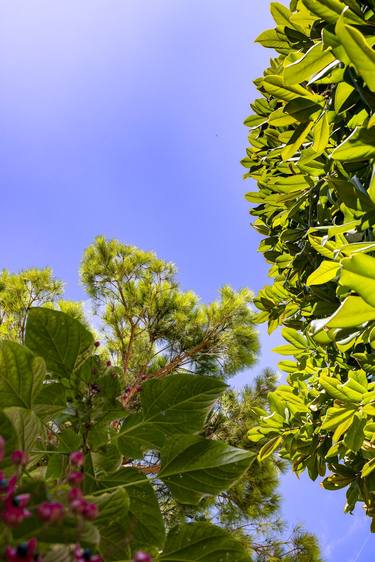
x=312, y=152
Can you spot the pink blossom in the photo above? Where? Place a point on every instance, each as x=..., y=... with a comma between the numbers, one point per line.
x=86, y=509
x=75, y=477
x=19, y=458
x=75, y=494
x=51, y=511
x=14, y=510
x=7, y=487
x=142, y=557
x=77, y=458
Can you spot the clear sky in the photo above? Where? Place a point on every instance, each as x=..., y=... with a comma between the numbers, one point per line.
x=124, y=118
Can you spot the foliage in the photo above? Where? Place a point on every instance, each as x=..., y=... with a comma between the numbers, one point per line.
x=59, y=397
x=132, y=409
x=152, y=327
x=312, y=153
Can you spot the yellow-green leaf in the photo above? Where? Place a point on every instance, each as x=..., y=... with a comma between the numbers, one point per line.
x=310, y=64
x=360, y=53
x=298, y=138
x=269, y=447
x=358, y=274
x=325, y=272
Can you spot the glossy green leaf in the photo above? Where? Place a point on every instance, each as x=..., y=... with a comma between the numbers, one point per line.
x=202, y=542
x=298, y=138
x=330, y=10
x=62, y=341
x=354, y=437
x=359, y=145
x=193, y=467
x=354, y=311
x=275, y=85
x=312, y=62
x=360, y=53
x=269, y=447
x=358, y=274
x=326, y=271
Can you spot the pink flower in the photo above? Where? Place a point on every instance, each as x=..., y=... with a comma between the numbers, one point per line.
x=24, y=552
x=77, y=458
x=14, y=510
x=142, y=557
x=19, y=458
x=75, y=477
x=75, y=494
x=7, y=487
x=86, y=509
x=2, y=448
x=51, y=511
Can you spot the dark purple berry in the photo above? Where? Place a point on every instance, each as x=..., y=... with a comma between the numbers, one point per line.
x=108, y=364
x=97, y=343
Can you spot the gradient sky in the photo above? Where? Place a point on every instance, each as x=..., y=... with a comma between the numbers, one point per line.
x=124, y=118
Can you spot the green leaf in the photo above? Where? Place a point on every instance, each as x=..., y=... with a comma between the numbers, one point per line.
x=326, y=271
x=297, y=139
x=202, y=542
x=144, y=517
x=27, y=425
x=21, y=375
x=312, y=62
x=330, y=10
x=368, y=468
x=335, y=416
x=355, y=435
x=62, y=341
x=358, y=274
x=302, y=109
x=177, y=404
x=354, y=311
x=275, y=85
x=273, y=39
x=112, y=522
x=321, y=135
x=359, y=145
x=360, y=53
x=294, y=337
x=269, y=448
x=193, y=467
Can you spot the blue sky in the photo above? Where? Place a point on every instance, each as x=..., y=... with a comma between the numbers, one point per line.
x=124, y=118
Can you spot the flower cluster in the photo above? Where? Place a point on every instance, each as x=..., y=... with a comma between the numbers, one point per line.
x=14, y=506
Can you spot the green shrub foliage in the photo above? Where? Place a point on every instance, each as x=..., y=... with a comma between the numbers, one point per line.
x=312, y=137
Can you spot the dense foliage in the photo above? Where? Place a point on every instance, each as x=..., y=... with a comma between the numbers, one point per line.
x=137, y=438
x=312, y=153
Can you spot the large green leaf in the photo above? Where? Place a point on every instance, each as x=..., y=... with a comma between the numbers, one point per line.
x=276, y=86
x=359, y=275
x=62, y=341
x=21, y=375
x=202, y=542
x=173, y=405
x=326, y=271
x=112, y=522
x=193, y=467
x=330, y=10
x=144, y=517
x=360, y=53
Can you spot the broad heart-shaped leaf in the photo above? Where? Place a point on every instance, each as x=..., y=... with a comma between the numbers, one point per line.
x=27, y=425
x=193, y=467
x=21, y=375
x=360, y=53
x=325, y=272
x=359, y=275
x=112, y=522
x=173, y=405
x=202, y=542
x=144, y=517
x=7, y=431
x=62, y=341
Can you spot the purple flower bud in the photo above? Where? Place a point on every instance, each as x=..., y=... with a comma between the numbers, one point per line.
x=75, y=478
x=77, y=458
x=51, y=511
x=142, y=557
x=97, y=343
x=20, y=458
